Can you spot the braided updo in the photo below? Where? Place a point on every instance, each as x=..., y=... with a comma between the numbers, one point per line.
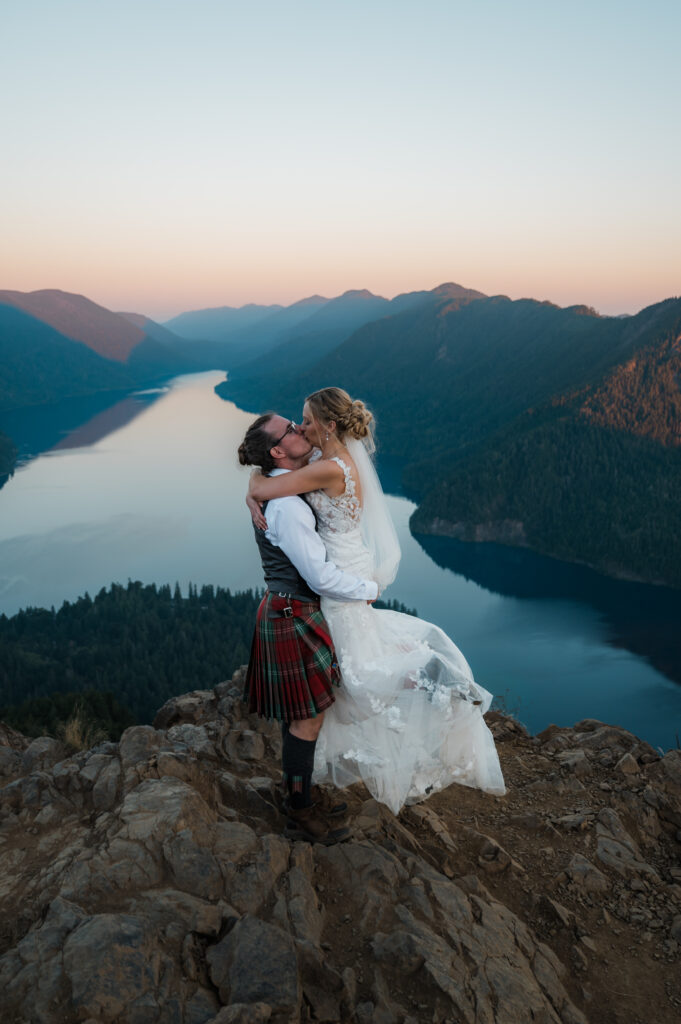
x=352, y=418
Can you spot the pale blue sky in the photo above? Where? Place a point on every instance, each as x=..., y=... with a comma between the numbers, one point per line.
x=162, y=156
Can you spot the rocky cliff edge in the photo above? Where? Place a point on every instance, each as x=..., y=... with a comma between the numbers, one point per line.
x=149, y=881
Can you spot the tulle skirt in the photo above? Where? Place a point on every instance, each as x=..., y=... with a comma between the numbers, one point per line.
x=408, y=718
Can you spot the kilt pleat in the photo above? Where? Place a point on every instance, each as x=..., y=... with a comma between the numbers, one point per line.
x=292, y=668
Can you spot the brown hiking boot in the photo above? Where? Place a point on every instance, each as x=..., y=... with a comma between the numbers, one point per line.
x=322, y=799
x=309, y=825
x=326, y=802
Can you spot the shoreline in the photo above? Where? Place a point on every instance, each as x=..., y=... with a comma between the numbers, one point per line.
x=505, y=531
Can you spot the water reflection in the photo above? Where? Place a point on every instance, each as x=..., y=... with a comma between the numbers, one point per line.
x=73, y=422
x=159, y=498
x=643, y=619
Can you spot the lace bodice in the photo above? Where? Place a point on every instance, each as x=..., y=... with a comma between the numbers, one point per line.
x=342, y=513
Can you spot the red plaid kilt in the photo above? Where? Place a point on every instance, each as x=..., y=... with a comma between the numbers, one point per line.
x=293, y=667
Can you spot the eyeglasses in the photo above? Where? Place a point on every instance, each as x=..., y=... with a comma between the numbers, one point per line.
x=291, y=429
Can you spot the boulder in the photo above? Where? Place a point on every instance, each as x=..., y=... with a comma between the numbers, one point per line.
x=42, y=752
x=585, y=875
x=256, y=963
x=106, y=986
x=138, y=743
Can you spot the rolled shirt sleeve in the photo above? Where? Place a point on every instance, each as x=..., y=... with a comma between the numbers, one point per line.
x=291, y=526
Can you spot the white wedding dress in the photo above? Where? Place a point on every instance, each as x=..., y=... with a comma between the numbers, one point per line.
x=408, y=717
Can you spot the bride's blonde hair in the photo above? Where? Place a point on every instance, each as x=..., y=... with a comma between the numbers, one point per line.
x=352, y=418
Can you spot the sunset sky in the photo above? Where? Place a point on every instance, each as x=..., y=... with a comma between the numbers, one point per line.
x=165, y=155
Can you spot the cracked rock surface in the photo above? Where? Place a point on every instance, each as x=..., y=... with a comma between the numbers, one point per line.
x=149, y=881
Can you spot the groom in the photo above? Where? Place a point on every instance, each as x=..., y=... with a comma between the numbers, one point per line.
x=293, y=668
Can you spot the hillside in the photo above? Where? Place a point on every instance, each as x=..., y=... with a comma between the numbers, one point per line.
x=41, y=365
x=326, y=330
x=593, y=475
x=76, y=317
x=477, y=361
x=566, y=488
x=257, y=341
x=642, y=395
x=141, y=642
x=129, y=339
x=217, y=323
x=521, y=422
x=559, y=902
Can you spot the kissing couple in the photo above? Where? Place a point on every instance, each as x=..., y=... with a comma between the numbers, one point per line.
x=362, y=693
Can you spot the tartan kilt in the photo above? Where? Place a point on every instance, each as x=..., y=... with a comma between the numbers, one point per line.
x=293, y=667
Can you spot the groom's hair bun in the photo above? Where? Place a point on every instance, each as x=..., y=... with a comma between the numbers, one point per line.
x=352, y=418
x=254, y=450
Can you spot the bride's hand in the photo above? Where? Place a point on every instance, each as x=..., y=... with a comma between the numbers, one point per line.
x=254, y=507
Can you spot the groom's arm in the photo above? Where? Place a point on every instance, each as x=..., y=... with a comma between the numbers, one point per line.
x=292, y=528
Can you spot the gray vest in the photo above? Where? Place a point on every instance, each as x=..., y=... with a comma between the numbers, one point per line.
x=281, y=576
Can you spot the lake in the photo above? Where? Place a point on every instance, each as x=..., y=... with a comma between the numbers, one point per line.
x=148, y=487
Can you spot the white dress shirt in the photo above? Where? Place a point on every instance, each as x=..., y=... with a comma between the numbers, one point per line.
x=291, y=527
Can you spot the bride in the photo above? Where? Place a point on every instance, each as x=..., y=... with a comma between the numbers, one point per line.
x=408, y=718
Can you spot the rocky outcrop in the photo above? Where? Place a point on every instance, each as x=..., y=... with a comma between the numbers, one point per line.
x=149, y=881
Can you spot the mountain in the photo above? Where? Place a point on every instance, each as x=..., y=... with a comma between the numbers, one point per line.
x=166, y=849
x=641, y=394
x=564, y=488
x=57, y=345
x=346, y=312
x=318, y=333
x=76, y=317
x=325, y=333
x=287, y=336
x=521, y=422
x=151, y=329
x=161, y=352
x=238, y=339
x=218, y=323
x=594, y=475
x=276, y=327
x=39, y=364
x=465, y=366
x=340, y=318
x=226, y=337
x=258, y=340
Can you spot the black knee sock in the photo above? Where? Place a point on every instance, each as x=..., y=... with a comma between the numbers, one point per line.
x=298, y=764
x=284, y=734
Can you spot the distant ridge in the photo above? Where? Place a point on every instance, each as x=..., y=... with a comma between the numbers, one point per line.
x=218, y=322
x=77, y=317
x=322, y=333
x=39, y=364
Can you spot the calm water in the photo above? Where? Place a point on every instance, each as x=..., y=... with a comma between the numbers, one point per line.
x=149, y=488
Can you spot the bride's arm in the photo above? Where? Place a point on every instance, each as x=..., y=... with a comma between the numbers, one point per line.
x=318, y=475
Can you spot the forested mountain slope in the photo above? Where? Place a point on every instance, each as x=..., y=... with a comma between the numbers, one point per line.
x=323, y=333
x=39, y=364
x=594, y=474
x=128, y=339
x=522, y=422
x=77, y=317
